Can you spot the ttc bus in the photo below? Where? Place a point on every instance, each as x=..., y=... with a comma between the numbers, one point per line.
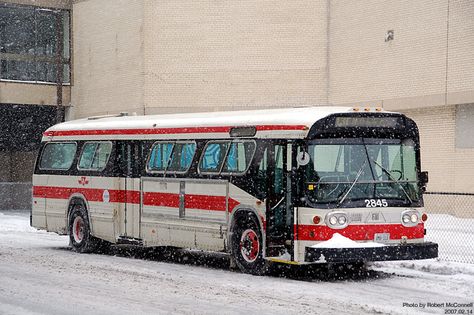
x=281, y=185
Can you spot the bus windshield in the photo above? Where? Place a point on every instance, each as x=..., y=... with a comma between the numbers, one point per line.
x=348, y=172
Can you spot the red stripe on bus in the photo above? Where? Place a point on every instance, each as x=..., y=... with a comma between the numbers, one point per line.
x=217, y=203
x=161, y=199
x=91, y=194
x=359, y=232
x=204, y=202
x=153, y=131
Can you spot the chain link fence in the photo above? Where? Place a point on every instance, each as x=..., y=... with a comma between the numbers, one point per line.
x=451, y=224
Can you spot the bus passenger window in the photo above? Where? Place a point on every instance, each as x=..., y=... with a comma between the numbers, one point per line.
x=239, y=157
x=213, y=157
x=95, y=156
x=57, y=156
x=159, y=156
x=182, y=157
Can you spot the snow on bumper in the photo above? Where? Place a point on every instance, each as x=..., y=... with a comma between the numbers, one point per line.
x=390, y=252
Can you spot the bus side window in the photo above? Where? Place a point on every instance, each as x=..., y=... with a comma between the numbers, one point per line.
x=213, y=157
x=239, y=157
x=159, y=156
x=95, y=155
x=182, y=156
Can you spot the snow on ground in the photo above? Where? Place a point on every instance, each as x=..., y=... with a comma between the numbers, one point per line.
x=40, y=275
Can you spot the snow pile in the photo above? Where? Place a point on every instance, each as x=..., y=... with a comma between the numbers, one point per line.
x=339, y=241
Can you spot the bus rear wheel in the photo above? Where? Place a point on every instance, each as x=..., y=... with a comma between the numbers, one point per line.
x=247, y=246
x=80, y=237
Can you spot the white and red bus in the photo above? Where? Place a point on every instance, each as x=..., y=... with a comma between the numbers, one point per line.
x=265, y=185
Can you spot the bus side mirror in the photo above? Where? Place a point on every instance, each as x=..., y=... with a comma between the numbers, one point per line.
x=423, y=180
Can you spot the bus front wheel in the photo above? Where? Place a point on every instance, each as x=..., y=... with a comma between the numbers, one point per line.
x=247, y=246
x=79, y=231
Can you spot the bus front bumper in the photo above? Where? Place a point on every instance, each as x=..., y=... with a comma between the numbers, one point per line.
x=414, y=251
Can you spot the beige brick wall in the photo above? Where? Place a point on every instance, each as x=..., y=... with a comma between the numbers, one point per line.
x=461, y=52
x=430, y=55
x=108, y=57
x=155, y=56
x=179, y=55
x=363, y=67
x=208, y=55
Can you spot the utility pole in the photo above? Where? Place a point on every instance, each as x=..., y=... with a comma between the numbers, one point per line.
x=59, y=67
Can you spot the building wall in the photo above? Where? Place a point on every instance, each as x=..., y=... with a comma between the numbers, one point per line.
x=177, y=55
x=206, y=55
x=428, y=63
x=108, y=57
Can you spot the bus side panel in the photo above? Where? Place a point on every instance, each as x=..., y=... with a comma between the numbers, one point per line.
x=206, y=200
x=56, y=215
x=172, y=216
x=38, y=209
x=160, y=207
x=103, y=198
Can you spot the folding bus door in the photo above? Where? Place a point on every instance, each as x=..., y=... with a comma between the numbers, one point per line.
x=129, y=158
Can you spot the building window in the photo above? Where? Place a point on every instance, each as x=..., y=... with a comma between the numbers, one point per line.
x=29, y=46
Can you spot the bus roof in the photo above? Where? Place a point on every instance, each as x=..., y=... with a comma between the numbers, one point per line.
x=268, y=123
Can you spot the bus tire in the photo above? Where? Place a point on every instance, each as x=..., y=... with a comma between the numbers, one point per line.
x=247, y=246
x=80, y=237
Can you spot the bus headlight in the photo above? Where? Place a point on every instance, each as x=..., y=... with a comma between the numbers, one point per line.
x=341, y=220
x=410, y=217
x=406, y=218
x=337, y=220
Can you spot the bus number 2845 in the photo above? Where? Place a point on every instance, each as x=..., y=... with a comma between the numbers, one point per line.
x=373, y=203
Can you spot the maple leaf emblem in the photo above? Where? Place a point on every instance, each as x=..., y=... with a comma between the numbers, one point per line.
x=83, y=181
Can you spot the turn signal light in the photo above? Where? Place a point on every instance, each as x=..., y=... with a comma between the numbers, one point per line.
x=424, y=217
x=316, y=220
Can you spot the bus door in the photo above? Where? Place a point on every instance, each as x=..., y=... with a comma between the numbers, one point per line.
x=129, y=187
x=278, y=215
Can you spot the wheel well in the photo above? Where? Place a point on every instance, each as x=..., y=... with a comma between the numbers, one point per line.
x=75, y=201
x=241, y=216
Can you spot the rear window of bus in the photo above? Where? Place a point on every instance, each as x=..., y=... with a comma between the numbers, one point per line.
x=58, y=156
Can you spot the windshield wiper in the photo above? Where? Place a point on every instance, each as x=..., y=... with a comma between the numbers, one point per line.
x=352, y=185
x=393, y=179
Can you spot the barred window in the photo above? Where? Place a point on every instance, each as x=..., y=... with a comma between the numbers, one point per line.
x=29, y=43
